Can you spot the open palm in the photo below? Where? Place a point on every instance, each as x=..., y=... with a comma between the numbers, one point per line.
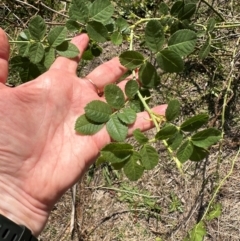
x=41, y=155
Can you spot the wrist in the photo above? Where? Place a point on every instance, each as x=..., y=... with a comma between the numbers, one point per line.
x=22, y=209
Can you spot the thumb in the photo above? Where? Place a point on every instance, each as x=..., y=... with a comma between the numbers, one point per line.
x=4, y=55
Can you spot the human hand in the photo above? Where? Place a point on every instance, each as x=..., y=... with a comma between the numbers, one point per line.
x=41, y=155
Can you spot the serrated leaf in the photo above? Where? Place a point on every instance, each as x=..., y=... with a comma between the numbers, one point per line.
x=136, y=105
x=198, y=154
x=183, y=42
x=205, y=50
x=185, y=151
x=149, y=157
x=215, y=212
x=98, y=111
x=114, y=96
x=166, y=132
x=67, y=50
x=175, y=141
x=131, y=59
x=187, y=11
x=116, y=38
x=49, y=57
x=36, y=52
x=132, y=169
x=154, y=35
x=194, y=123
x=127, y=116
x=101, y=10
x=140, y=137
x=87, y=127
x=37, y=28
x=211, y=24
x=198, y=232
x=176, y=7
x=148, y=75
x=163, y=8
x=117, y=152
x=78, y=11
x=170, y=61
x=206, y=138
x=72, y=25
x=97, y=31
x=57, y=35
x=121, y=24
x=173, y=110
x=116, y=129
x=131, y=88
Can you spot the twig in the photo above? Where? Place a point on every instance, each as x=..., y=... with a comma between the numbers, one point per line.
x=215, y=11
x=28, y=4
x=74, y=188
x=53, y=10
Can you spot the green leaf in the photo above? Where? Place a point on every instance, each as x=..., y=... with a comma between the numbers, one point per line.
x=215, y=212
x=98, y=111
x=97, y=31
x=176, y=7
x=136, y=104
x=187, y=11
x=183, y=42
x=154, y=35
x=175, y=141
x=205, y=50
x=211, y=24
x=49, y=57
x=198, y=232
x=194, y=123
x=185, y=151
x=163, y=8
x=36, y=52
x=78, y=11
x=72, y=25
x=140, y=137
x=173, y=110
x=116, y=38
x=122, y=24
x=131, y=59
x=198, y=154
x=37, y=28
x=87, y=127
x=57, y=35
x=127, y=116
x=132, y=169
x=114, y=96
x=206, y=138
x=101, y=10
x=116, y=129
x=96, y=50
x=131, y=88
x=117, y=152
x=149, y=157
x=23, y=49
x=24, y=35
x=67, y=50
x=148, y=75
x=170, y=61
x=166, y=132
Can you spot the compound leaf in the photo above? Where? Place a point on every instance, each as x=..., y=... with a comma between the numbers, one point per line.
x=170, y=61
x=78, y=11
x=36, y=52
x=185, y=151
x=68, y=50
x=149, y=157
x=127, y=116
x=114, y=96
x=140, y=137
x=131, y=59
x=148, y=75
x=206, y=138
x=97, y=31
x=101, y=10
x=173, y=110
x=166, y=132
x=98, y=111
x=183, y=42
x=194, y=123
x=175, y=141
x=116, y=129
x=37, y=28
x=154, y=35
x=87, y=127
x=57, y=36
x=131, y=88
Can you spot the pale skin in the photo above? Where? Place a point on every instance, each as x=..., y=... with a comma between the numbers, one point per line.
x=41, y=156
